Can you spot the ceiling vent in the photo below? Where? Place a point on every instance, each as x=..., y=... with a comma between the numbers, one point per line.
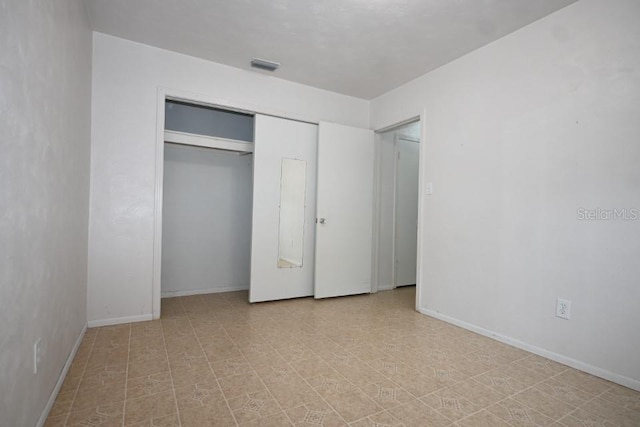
x=264, y=64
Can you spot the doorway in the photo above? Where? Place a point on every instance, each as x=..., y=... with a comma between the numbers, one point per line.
x=398, y=206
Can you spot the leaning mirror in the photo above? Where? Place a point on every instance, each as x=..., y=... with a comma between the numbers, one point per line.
x=292, y=191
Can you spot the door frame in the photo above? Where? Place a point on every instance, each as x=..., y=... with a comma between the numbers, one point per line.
x=164, y=94
x=418, y=117
x=395, y=203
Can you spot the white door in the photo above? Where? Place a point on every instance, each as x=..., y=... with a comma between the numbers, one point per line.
x=278, y=144
x=406, y=211
x=344, y=210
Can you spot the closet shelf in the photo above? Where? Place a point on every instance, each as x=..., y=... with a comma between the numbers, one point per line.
x=185, y=138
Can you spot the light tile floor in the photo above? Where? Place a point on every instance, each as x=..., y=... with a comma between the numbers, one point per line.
x=370, y=360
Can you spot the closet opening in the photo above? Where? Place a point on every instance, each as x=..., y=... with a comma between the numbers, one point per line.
x=207, y=196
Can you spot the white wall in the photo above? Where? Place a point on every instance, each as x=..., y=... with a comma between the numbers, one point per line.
x=206, y=221
x=518, y=135
x=126, y=78
x=387, y=194
x=45, y=81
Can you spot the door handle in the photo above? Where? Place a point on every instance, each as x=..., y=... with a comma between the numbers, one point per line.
x=322, y=221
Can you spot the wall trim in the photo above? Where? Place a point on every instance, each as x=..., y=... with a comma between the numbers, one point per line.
x=172, y=294
x=577, y=364
x=119, y=320
x=61, y=377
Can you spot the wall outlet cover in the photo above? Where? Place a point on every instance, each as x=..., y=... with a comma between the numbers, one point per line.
x=563, y=308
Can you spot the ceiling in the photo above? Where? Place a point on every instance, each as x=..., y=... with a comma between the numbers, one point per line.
x=362, y=48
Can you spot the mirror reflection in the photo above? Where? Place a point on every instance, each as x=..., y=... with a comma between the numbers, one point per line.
x=292, y=205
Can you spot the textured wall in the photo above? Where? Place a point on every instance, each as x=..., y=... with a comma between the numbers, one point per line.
x=45, y=89
x=518, y=136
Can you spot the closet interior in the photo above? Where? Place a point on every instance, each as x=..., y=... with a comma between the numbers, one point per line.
x=207, y=197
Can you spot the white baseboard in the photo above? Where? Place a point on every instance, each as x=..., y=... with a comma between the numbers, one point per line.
x=63, y=374
x=577, y=364
x=171, y=294
x=120, y=320
x=385, y=287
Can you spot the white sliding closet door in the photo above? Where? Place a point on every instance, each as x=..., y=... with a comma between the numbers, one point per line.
x=345, y=210
x=283, y=148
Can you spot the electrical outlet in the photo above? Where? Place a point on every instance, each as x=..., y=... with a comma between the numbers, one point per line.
x=563, y=308
x=36, y=355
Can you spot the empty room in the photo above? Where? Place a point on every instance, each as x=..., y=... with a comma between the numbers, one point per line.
x=320, y=213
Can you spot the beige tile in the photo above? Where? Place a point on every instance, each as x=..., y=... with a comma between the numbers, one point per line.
x=582, y=418
x=238, y=385
x=387, y=394
x=150, y=408
x=199, y=394
x=147, y=367
x=105, y=356
x=565, y=392
x=293, y=393
x=353, y=405
x=482, y=419
x=315, y=413
x=541, y=365
x=312, y=367
x=293, y=354
x=510, y=379
x=382, y=419
x=417, y=414
x=479, y=394
x=56, y=421
x=62, y=404
x=517, y=414
x=623, y=396
x=148, y=385
x=105, y=375
x=584, y=381
x=148, y=329
x=215, y=353
x=253, y=406
x=417, y=384
x=215, y=415
x=330, y=384
x=182, y=343
x=191, y=372
x=612, y=412
x=167, y=421
x=543, y=403
x=109, y=415
x=451, y=405
x=93, y=397
x=229, y=367
x=276, y=420
x=70, y=384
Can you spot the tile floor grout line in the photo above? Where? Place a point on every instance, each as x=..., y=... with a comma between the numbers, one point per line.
x=226, y=401
x=173, y=385
x=322, y=397
x=253, y=368
x=126, y=376
x=304, y=379
x=84, y=369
